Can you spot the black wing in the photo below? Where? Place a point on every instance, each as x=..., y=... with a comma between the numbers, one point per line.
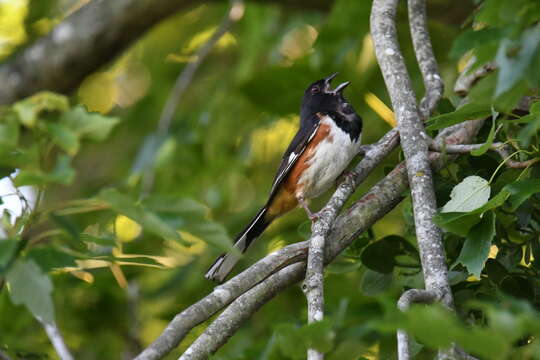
x=307, y=131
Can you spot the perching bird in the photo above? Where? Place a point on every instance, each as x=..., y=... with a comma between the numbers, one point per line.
x=328, y=139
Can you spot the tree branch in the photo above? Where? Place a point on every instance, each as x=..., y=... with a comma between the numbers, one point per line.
x=57, y=340
x=414, y=144
x=382, y=198
x=426, y=59
x=87, y=40
x=501, y=148
x=405, y=301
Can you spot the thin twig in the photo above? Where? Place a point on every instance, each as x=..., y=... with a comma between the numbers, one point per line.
x=235, y=13
x=501, y=148
x=4, y=356
x=57, y=340
x=433, y=84
x=405, y=301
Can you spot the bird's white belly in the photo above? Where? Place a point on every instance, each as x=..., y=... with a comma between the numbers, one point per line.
x=330, y=159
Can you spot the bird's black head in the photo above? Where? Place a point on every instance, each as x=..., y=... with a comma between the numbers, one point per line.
x=319, y=97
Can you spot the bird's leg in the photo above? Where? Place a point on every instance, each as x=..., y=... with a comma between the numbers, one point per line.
x=303, y=202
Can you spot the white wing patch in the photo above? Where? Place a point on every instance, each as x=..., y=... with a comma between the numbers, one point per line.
x=292, y=160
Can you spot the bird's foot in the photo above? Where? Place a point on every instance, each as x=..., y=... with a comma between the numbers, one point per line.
x=311, y=215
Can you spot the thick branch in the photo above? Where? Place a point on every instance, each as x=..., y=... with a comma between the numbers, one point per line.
x=414, y=144
x=87, y=40
x=230, y=320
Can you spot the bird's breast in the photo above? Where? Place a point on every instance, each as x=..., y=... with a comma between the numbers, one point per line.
x=326, y=157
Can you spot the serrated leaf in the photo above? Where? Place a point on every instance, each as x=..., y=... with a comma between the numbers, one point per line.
x=475, y=251
x=148, y=220
x=29, y=286
x=28, y=110
x=63, y=137
x=470, y=194
x=468, y=111
x=88, y=125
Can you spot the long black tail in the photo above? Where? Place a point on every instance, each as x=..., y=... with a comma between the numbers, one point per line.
x=225, y=263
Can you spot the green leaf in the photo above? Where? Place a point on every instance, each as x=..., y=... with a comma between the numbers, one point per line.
x=482, y=150
x=318, y=335
x=9, y=132
x=531, y=129
x=513, y=66
x=374, y=283
x=470, y=194
x=290, y=341
x=28, y=110
x=472, y=39
x=294, y=341
x=49, y=258
x=103, y=241
x=457, y=222
x=88, y=125
x=468, y=111
x=128, y=207
x=475, y=251
x=62, y=173
x=29, y=286
x=522, y=190
x=7, y=248
x=63, y=137
x=212, y=233
x=380, y=255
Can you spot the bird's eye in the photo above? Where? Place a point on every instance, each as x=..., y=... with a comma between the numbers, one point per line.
x=315, y=90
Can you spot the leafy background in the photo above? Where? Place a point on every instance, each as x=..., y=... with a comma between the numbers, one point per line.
x=112, y=263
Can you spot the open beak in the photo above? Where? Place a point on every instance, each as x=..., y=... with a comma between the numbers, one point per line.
x=327, y=81
x=339, y=89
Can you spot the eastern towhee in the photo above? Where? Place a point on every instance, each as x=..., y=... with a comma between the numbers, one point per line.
x=328, y=139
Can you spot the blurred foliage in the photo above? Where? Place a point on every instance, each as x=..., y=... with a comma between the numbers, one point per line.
x=91, y=233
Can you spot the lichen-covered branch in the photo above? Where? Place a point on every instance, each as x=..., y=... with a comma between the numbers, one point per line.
x=434, y=86
x=414, y=144
x=230, y=320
